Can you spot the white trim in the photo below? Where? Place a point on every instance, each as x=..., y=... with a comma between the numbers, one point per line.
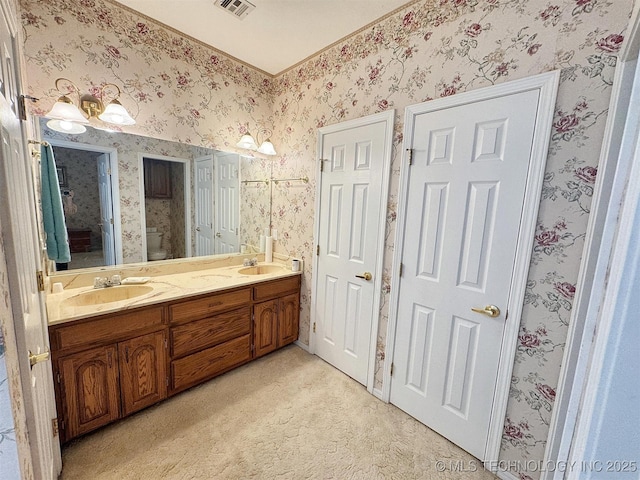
x=613, y=169
x=547, y=84
x=115, y=186
x=187, y=200
x=302, y=346
x=622, y=285
x=386, y=117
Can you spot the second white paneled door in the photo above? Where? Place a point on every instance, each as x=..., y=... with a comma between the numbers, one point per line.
x=350, y=237
x=465, y=200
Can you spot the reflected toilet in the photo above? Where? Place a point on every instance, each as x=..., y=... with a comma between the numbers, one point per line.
x=154, y=245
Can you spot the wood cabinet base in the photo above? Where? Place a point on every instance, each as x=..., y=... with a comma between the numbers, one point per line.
x=110, y=366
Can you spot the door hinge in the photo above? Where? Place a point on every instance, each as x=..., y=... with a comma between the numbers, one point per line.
x=58, y=377
x=392, y=369
x=314, y=327
x=22, y=105
x=108, y=171
x=111, y=221
x=166, y=344
x=40, y=280
x=55, y=428
x=410, y=155
x=322, y=160
x=317, y=250
x=401, y=269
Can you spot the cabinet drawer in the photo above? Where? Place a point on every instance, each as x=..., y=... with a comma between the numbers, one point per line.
x=276, y=289
x=211, y=331
x=205, y=307
x=200, y=366
x=104, y=330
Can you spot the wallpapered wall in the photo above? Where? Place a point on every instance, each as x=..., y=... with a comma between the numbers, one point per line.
x=430, y=49
x=81, y=172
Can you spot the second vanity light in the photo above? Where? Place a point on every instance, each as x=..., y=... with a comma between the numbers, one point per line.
x=248, y=142
x=67, y=117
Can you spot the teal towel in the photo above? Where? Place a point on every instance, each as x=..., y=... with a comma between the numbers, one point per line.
x=52, y=214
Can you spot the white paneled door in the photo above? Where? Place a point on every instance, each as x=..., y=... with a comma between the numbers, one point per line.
x=227, y=191
x=19, y=233
x=352, y=206
x=204, y=205
x=106, y=209
x=465, y=197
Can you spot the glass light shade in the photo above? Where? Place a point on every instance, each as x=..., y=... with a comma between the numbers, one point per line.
x=65, y=126
x=267, y=148
x=116, y=113
x=65, y=110
x=247, y=142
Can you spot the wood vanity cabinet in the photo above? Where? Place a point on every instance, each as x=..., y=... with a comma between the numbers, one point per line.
x=110, y=366
x=276, y=321
x=107, y=368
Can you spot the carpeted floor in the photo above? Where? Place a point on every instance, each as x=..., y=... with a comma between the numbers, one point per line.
x=288, y=415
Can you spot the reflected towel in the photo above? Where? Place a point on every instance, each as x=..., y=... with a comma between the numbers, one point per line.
x=52, y=216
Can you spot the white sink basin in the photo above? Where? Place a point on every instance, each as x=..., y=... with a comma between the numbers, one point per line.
x=108, y=295
x=261, y=270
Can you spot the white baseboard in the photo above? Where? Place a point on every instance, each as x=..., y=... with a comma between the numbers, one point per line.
x=504, y=475
x=302, y=345
x=377, y=393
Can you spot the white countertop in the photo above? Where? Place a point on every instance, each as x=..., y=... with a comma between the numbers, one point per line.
x=172, y=286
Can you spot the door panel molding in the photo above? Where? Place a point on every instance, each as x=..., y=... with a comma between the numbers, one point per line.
x=547, y=85
x=334, y=160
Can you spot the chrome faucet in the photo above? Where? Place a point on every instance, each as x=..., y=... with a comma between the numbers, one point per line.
x=104, y=282
x=250, y=262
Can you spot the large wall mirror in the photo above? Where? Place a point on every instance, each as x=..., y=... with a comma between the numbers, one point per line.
x=131, y=199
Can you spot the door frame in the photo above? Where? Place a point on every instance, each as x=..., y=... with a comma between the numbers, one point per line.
x=547, y=83
x=187, y=200
x=387, y=117
x=115, y=185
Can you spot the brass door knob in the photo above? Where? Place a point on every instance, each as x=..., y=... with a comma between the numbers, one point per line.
x=366, y=275
x=218, y=235
x=490, y=310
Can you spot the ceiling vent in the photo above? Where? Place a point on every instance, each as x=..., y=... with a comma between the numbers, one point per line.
x=238, y=8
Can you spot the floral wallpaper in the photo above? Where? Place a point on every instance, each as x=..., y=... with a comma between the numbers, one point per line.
x=82, y=202
x=182, y=90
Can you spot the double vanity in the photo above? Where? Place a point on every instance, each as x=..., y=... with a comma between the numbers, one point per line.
x=119, y=349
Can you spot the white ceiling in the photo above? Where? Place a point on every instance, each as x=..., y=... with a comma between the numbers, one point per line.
x=277, y=34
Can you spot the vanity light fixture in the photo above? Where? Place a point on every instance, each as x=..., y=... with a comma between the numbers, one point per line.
x=66, y=117
x=248, y=143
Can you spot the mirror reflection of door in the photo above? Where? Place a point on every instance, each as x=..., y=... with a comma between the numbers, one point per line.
x=87, y=202
x=204, y=205
x=227, y=188
x=166, y=207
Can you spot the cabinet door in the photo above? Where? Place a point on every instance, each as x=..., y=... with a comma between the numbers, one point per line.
x=90, y=385
x=288, y=319
x=143, y=371
x=157, y=178
x=265, y=327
